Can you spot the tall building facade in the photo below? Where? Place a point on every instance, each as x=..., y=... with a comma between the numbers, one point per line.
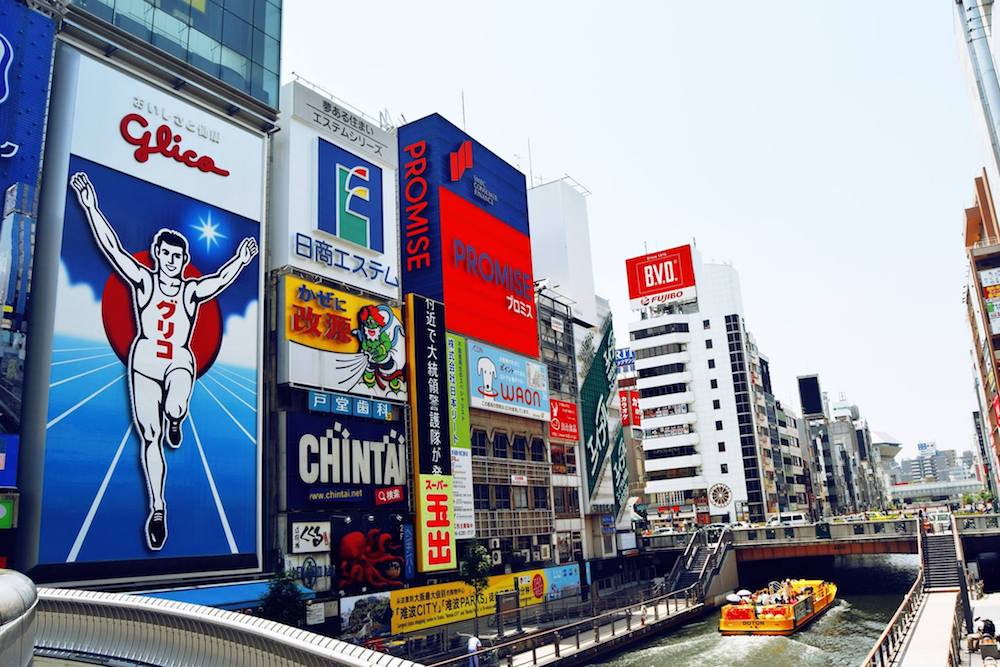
x=712, y=449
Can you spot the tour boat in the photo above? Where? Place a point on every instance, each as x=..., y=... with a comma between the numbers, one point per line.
x=798, y=602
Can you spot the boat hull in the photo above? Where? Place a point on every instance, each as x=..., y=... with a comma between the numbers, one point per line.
x=779, y=626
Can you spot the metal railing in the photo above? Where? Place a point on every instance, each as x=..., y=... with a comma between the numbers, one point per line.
x=971, y=524
x=568, y=637
x=894, y=635
x=955, y=647
x=819, y=532
x=714, y=561
x=18, y=600
x=136, y=629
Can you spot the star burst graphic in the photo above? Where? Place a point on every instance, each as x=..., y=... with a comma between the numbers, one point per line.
x=209, y=231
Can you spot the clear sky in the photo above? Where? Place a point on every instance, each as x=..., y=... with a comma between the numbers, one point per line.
x=825, y=148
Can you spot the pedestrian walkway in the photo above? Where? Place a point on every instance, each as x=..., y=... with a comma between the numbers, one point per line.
x=581, y=638
x=929, y=638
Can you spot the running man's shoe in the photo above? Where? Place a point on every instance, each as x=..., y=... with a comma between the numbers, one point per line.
x=156, y=529
x=174, y=432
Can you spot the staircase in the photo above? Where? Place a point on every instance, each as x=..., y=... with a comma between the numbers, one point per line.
x=940, y=562
x=690, y=573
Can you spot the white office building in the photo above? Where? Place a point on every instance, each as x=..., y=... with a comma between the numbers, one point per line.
x=695, y=384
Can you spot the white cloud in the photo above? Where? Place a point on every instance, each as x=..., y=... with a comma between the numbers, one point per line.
x=78, y=313
x=239, y=341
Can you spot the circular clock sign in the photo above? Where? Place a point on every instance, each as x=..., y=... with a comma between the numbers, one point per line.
x=720, y=495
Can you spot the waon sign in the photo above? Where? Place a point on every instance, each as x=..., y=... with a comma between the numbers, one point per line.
x=465, y=237
x=662, y=277
x=433, y=485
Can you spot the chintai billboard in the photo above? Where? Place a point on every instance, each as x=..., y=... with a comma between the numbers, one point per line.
x=151, y=456
x=337, y=461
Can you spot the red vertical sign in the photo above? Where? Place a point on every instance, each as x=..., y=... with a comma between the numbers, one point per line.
x=623, y=404
x=636, y=411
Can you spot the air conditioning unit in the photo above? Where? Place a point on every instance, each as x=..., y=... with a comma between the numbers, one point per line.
x=546, y=551
x=497, y=557
x=494, y=543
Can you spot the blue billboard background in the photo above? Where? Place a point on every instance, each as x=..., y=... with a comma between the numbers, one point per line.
x=502, y=381
x=26, y=43
x=442, y=138
x=94, y=498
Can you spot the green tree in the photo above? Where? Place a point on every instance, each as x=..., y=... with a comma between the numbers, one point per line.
x=282, y=602
x=476, y=565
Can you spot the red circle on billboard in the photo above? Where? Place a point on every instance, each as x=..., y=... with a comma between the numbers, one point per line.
x=118, y=316
x=538, y=586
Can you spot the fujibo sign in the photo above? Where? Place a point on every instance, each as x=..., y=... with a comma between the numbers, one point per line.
x=594, y=394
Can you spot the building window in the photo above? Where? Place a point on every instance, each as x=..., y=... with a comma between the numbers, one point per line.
x=717, y=404
x=708, y=344
x=519, y=497
x=715, y=384
x=541, y=497
x=520, y=451
x=662, y=391
x=725, y=469
x=501, y=497
x=711, y=363
x=481, y=493
x=722, y=446
x=501, y=445
x=718, y=425
x=538, y=450
x=563, y=458
x=707, y=324
x=479, y=442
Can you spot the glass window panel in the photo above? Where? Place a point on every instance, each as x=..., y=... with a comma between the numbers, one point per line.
x=272, y=20
x=241, y=8
x=204, y=52
x=237, y=34
x=134, y=16
x=208, y=21
x=170, y=34
x=104, y=9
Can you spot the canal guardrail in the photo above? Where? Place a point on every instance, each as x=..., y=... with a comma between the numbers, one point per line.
x=18, y=600
x=586, y=634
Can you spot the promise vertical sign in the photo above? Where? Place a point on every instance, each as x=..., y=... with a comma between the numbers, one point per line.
x=432, y=480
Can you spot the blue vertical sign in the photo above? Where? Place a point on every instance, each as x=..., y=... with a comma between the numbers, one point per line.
x=26, y=43
x=26, y=48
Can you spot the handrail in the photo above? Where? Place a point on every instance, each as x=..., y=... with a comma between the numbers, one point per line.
x=18, y=600
x=713, y=558
x=154, y=631
x=683, y=558
x=555, y=636
x=889, y=642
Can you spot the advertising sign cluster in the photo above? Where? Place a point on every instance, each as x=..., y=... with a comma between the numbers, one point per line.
x=334, y=197
x=661, y=277
x=433, y=483
x=26, y=38
x=625, y=360
x=336, y=341
x=465, y=234
x=564, y=422
x=339, y=461
x=990, y=280
x=461, y=437
x=151, y=443
x=504, y=382
x=619, y=472
x=412, y=609
x=341, y=404
x=594, y=395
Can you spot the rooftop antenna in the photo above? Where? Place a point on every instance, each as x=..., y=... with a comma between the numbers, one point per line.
x=531, y=170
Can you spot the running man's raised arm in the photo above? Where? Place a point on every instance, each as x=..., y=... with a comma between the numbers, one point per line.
x=104, y=234
x=208, y=287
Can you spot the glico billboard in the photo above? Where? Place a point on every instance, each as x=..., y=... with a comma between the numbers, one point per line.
x=661, y=277
x=464, y=234
x=151, y=458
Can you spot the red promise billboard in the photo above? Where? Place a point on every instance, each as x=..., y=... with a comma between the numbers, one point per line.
x=663, y=277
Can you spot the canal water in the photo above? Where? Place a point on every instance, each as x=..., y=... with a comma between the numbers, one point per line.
x=870, y=590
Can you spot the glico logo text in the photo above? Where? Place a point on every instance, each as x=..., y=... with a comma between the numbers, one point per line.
x=164, y=142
